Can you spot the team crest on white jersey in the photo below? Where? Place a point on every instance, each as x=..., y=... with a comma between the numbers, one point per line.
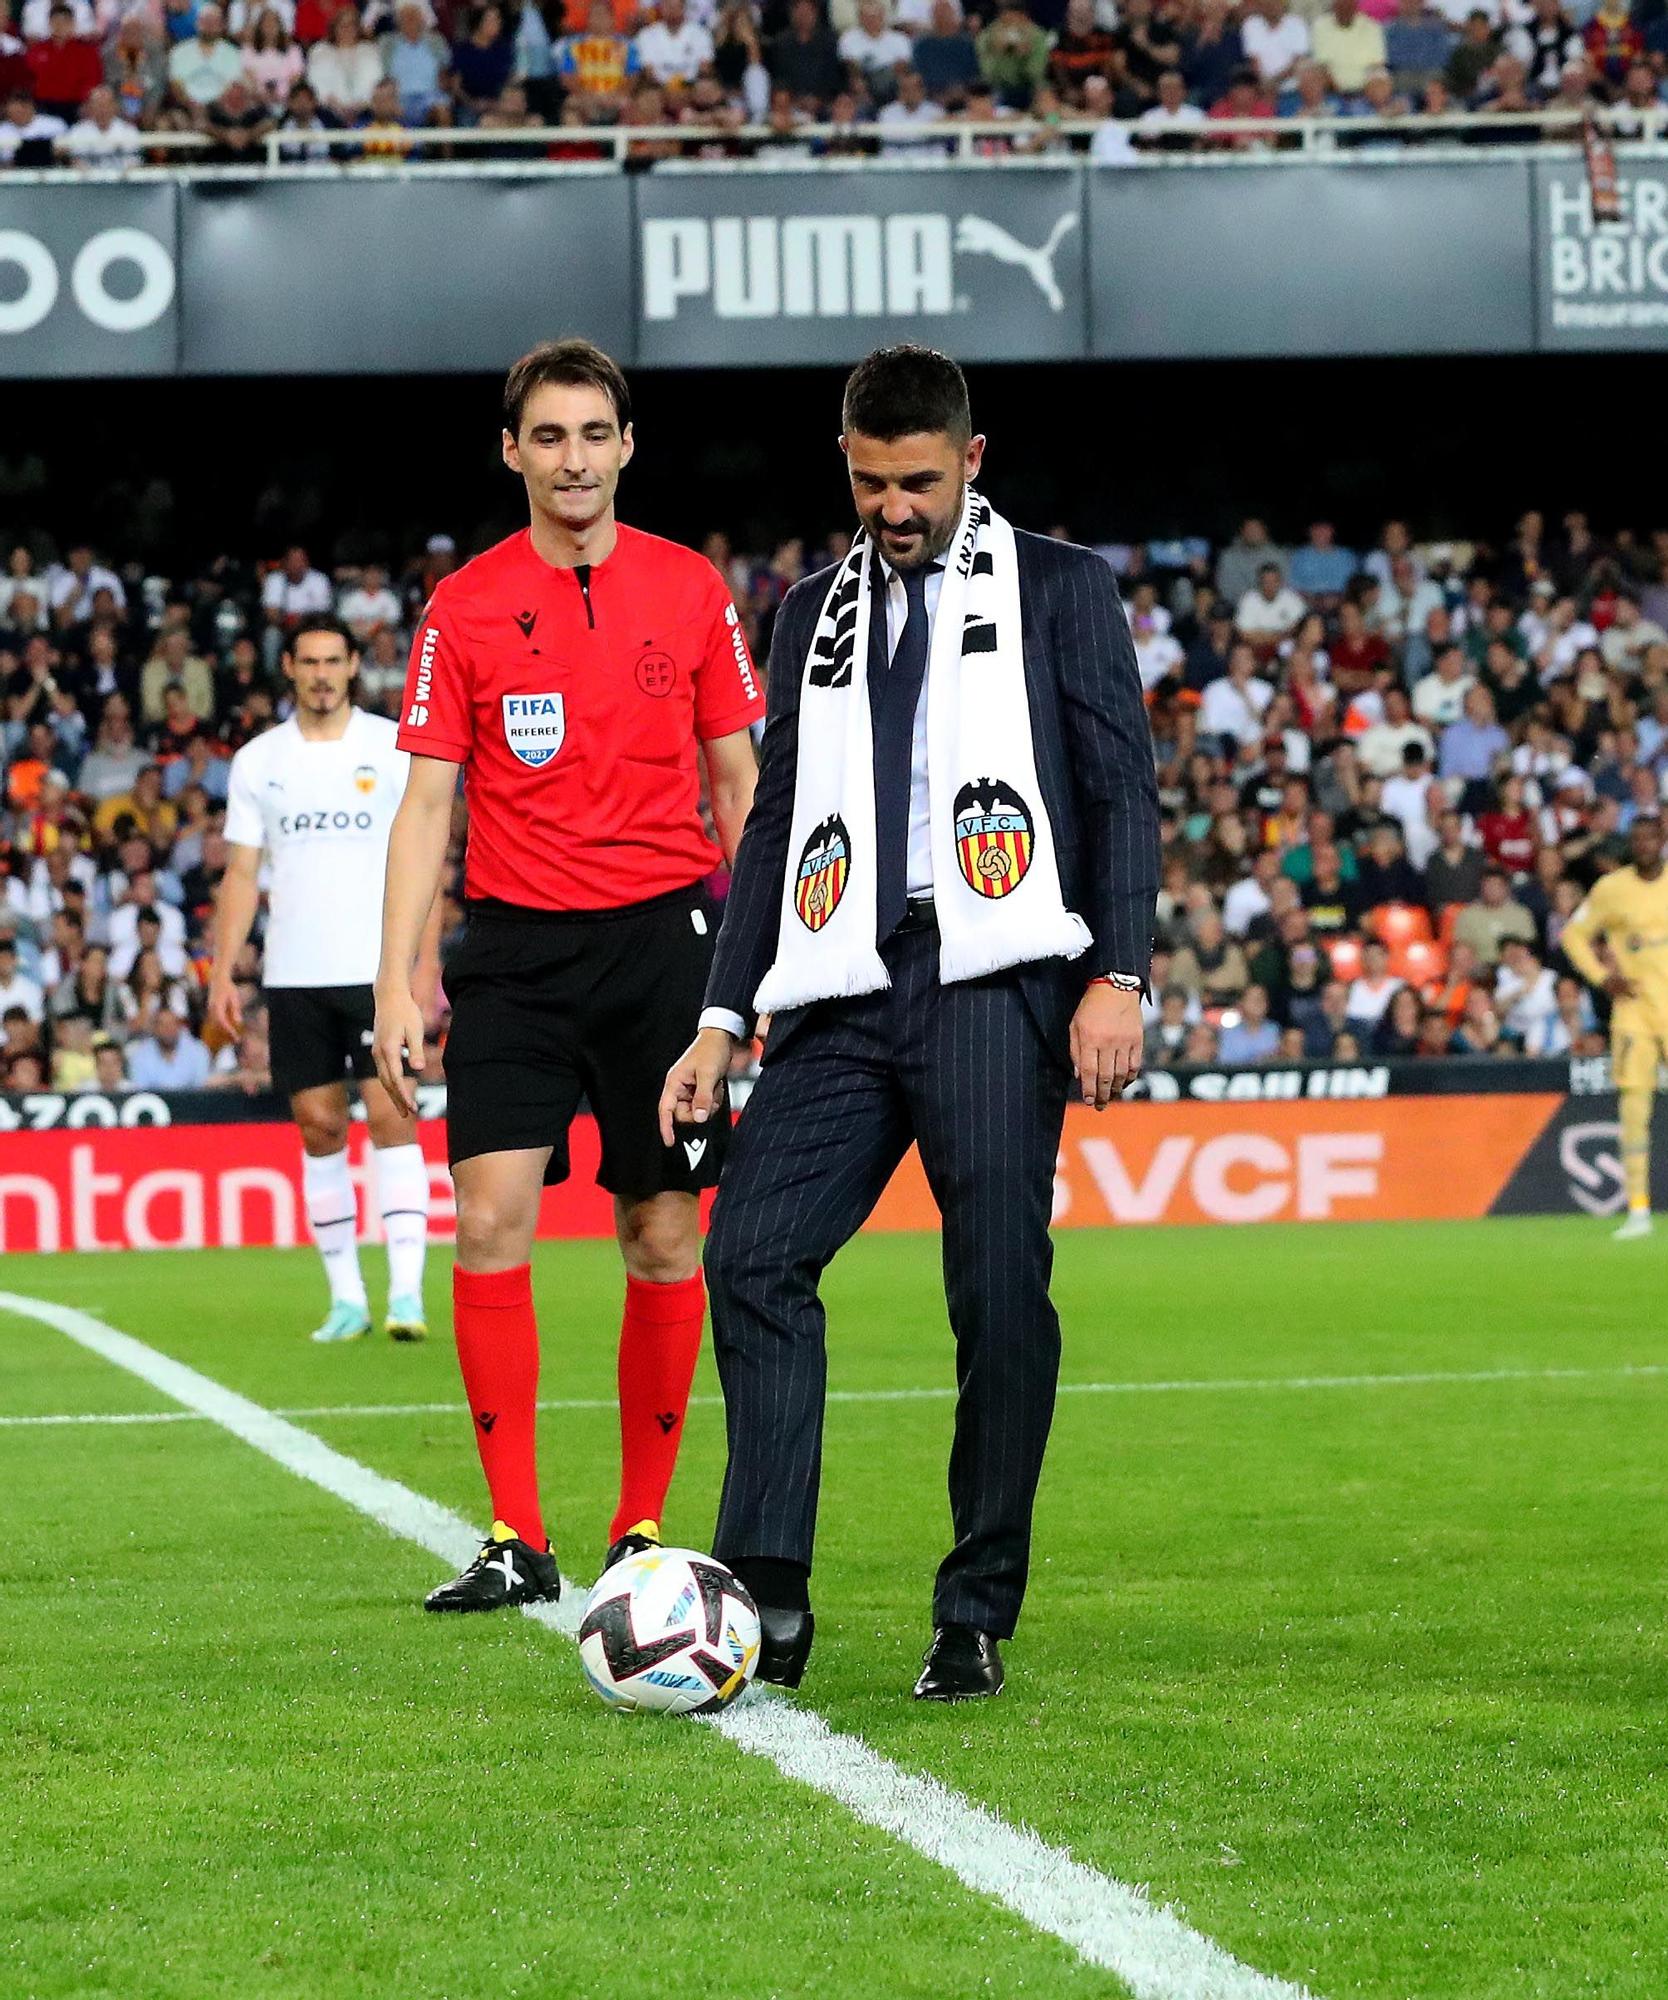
x=534, y=726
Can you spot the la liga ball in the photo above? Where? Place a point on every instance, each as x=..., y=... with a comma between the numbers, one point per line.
x=669, y=1630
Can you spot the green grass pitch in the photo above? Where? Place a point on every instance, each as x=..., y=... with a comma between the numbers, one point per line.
x=1368, y=1681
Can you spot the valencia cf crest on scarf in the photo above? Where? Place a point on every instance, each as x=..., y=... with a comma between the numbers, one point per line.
x=994, y=836
x=823, y=868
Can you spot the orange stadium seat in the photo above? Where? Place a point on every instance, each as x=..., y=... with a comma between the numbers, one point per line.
x=1398, y=924
x=1345, y=954
x=1421, y=962
x=1445, y=926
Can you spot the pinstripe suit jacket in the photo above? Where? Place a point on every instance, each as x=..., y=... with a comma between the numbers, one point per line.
x=1094, y=766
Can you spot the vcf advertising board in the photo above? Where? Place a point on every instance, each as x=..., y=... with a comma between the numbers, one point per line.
x=738, y=268
x=102, y=1186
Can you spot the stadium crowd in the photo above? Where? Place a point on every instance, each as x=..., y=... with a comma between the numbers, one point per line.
x=84, y=81
x=1388, y=777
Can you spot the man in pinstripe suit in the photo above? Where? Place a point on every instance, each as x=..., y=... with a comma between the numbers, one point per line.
x=975, y=1073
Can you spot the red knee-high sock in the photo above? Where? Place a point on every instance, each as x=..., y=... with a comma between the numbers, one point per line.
x=498, y=1351
x=660, y=1341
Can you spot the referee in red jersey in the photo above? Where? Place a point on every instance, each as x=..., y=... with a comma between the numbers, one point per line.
x=573, y=672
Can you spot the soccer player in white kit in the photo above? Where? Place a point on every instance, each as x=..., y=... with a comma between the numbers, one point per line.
x=316, y=797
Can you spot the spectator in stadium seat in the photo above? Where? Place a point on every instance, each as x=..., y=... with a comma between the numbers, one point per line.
x=482, y=61
x=1082, y=48
x=1013, y=54
x=1454, y=873
x=237, y=121
x=1372, y=990
x=109, y=1065
x=1213, y=52
x=945, y=56
x=14, y=69
x=1323, y=1020
x=1253, y=1037
x=1232, y=708
x=1472, y=745
x=1211, y=964
x=272, y=64
x=1265, y=615
x=1173, y=124
x=909, y=111
x=738, y=58
x=200, y=68
x=1439, y=696
x=294, y=588
x=1349, y=43
x=1385, y=871
x=1320, y=569
x=1382, y=744
x=173, y=659
x=136, y=69
x=1629, y=636
x=1506, y=828
x=1543, y=42
x=17, y=989
x=345, y=68
x=1242, y=562
x=1525, y=990
x=1165, y=1037
x=874, y=51
x=115, y=760
x=1275, y=40
x=804, y=59
x=28, y=138
x=1613, y=41
x=1485, y=924
x=170, y=1057
x=1472, y=56
x=1397, y=1033
x=673, y=49
x=99, y=135
x=1308, y=94
x=63, y=70
x=414, y=60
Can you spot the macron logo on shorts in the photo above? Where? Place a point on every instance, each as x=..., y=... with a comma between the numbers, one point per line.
x=425, y=680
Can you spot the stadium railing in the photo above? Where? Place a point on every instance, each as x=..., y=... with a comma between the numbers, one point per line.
x=1291, y=140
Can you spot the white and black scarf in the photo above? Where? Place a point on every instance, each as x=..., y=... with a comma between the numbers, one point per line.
x=996, y=880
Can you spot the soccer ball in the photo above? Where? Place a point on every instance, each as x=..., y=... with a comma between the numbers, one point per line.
x=670, y=1630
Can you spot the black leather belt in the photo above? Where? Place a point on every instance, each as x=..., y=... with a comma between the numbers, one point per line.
x=919, y=914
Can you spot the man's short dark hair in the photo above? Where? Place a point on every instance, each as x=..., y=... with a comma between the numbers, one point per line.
x=322, y=621
x=906, y=390
x=570, y=364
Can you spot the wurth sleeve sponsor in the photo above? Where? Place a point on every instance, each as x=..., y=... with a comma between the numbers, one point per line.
x=727, y=692
x=435, y=718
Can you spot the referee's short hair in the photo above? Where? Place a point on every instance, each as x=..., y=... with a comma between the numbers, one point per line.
x=321, y=621
x=572, y=364
x=901, y=390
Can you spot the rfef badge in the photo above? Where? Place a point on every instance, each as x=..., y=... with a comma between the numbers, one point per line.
x=994, y=837
x=823, y=868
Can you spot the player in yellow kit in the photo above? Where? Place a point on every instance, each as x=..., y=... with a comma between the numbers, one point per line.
x=1618, y=939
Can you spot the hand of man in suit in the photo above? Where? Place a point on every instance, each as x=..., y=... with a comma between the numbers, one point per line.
x=695, y=1082
x=1106, y=1043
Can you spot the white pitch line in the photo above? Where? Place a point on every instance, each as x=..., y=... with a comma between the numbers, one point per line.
x=1105, y=1921
x=1236, y=1384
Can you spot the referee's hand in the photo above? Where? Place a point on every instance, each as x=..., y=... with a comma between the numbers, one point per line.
x=397, y=1040
x=695, y=1082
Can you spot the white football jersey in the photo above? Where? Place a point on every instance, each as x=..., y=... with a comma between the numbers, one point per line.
x=321, y=813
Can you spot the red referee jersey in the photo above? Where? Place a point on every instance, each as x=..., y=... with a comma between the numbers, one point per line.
x=574, y=699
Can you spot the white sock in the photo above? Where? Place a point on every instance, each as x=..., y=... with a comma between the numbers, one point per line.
x=402, y=1185
x=334, y=1214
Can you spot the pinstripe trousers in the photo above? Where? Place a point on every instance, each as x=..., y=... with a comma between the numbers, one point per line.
x=962, y=1071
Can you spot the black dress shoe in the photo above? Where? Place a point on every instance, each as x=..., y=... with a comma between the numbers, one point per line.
x=784, y=1645
x=961, y=1664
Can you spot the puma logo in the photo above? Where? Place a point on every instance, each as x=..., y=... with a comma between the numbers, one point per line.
x=486, y=1419
x=976, y=236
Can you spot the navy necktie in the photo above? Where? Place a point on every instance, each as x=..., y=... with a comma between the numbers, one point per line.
x=893, y=697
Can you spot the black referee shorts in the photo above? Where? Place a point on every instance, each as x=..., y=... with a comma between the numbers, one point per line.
x=318, y=1034
x=551, y=1007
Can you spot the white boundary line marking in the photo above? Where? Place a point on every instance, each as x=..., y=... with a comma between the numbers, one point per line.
x=1622, y=1371
x=1105, y=1921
